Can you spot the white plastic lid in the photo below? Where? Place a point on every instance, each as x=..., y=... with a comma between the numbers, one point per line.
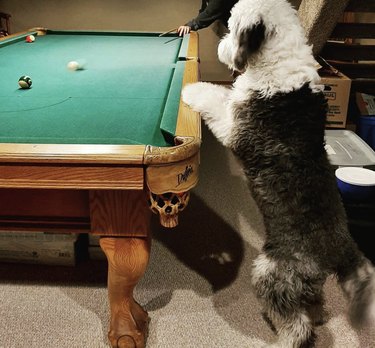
x=356, y=176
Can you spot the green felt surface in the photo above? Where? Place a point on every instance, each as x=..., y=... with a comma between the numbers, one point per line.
x=130, y=85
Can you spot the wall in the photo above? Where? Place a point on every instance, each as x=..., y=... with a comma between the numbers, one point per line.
x=131, y=15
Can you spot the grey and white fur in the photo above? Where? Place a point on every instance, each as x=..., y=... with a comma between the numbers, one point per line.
x=273, y=119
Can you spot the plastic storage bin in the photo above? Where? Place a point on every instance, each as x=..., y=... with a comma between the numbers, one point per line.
x=347, y=149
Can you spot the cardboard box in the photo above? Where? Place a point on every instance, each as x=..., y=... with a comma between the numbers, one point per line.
x=39, y=248
x=366, y=104
x=337, y=91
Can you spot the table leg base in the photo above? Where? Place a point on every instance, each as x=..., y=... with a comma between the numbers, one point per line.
x=127, y=261
x=136, y=335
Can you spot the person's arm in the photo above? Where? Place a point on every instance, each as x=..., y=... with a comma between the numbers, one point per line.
x=215, y=9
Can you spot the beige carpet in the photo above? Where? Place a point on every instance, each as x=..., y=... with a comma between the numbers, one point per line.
x=196, y=288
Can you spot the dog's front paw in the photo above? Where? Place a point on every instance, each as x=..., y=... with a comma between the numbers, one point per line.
x=194, y=95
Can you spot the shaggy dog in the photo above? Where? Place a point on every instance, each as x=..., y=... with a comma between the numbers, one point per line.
x=273, y=119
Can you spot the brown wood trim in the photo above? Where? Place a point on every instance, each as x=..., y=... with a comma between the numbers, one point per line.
x=45, y=224
x=361, y=6
x=176, y=177
x=193, y=48
x=70, y=153
x=186, y=147
x=119, y=213
x=188, y=121
x=363, y=85
x=354, y=30
x=355, y=70
x=339, y=51
x=58, y=176
x=223, y=83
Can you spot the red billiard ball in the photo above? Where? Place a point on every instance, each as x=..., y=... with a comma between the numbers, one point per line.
x=30, y=38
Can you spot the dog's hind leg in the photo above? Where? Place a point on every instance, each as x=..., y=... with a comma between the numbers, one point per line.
x=211, y=101
x=288, y=291
x=357, y=279
x=295, y=332
x=294, y=327
x=316, y=310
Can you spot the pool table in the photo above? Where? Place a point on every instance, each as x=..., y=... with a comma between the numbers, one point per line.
x=98, y=149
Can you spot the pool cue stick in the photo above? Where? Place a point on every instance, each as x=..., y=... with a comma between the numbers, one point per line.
x=167, y=32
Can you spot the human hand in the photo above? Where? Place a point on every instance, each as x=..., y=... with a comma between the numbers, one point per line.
x=183, y=30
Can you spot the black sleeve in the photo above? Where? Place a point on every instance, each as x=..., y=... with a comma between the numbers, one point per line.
x=216, y=9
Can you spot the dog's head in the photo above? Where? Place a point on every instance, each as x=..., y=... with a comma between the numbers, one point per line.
x=236, y=48
x=259, y=30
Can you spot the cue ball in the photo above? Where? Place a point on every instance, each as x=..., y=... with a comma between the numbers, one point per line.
x=25, y=82
x=73, y=65
x=30, y=38
x=78, y=64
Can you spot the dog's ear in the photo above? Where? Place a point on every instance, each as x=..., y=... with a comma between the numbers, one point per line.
x=250, y=41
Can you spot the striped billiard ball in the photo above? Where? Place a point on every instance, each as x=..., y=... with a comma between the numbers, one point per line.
x=25, y=82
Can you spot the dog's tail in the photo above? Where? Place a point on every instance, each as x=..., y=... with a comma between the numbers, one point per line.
x=358, y=284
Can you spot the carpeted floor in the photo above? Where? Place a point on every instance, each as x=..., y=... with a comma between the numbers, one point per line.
x=196, y=288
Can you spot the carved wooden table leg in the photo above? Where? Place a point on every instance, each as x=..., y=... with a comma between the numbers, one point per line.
x=122, y=219
x=127, y=261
